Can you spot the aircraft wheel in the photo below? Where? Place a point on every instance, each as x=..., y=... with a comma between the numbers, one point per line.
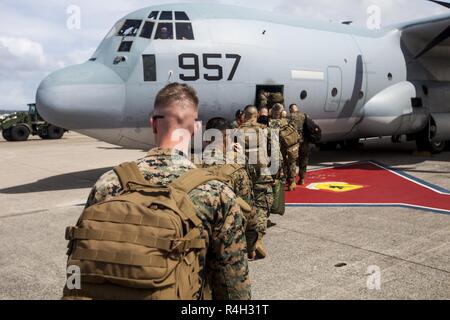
x=424, y=142
x=55, y=132
x=6, y=134
x=20, y=133
x=433, y=147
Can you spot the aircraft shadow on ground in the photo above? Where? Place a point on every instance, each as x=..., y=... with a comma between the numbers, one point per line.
x=387, y=155
x=67, y=181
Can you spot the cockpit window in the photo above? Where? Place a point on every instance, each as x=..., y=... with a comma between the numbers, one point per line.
x=147, y=30
x=180, y=15
x=130, y=28
x=184, y=31
x=164, y=31
x=166, y=15
x=125, y=46
x=153, y=15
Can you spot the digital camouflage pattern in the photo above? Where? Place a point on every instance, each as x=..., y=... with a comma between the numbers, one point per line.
x=240, y=183
x=234, y=125
x=288, y=167
x=226, y=265
x=263, y=99
x=299, y=119
x=261, y=181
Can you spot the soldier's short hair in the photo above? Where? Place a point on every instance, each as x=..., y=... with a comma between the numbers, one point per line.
x=218, y=123
x=263, y=110
x=250, y=111
x=277, y=109
x=176, y=92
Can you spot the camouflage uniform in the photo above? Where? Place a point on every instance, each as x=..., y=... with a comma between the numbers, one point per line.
x=275, y=97
x=240, y=184
x=299, y=119
x=263, y=99
x=226, y=265
x=262, y=181
x=288, y=167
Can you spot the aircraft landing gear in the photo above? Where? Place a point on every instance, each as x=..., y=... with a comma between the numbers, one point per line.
x=424, y=139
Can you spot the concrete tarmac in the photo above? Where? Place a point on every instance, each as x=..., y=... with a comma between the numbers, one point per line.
x=313, y=253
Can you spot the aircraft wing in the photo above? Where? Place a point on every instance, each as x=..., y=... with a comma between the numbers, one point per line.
x=426, y=45
x=425, y=36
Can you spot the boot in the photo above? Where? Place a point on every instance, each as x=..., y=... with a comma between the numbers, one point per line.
x=251, y=256
x=292, y=185
x=270, y=224
x=260, y=250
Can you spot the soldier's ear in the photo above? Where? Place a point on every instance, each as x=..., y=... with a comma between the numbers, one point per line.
x=197, y=127
x=153, y=124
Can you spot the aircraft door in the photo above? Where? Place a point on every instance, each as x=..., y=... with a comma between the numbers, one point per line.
x=334, y=91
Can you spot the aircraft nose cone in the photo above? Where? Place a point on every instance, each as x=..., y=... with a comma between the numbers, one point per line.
x=86, y=96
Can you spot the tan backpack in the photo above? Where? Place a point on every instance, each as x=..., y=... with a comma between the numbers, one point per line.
x=225, y=173
x=289, y=140
x=145, y=243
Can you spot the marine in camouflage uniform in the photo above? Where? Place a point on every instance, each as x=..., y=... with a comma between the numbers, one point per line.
x=299, y=118
x=263, y=99
x=288, y=167
x=262, y=181
x=240, y=183
x=226, y=265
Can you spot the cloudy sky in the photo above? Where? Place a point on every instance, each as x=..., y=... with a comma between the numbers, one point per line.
x=35, y=39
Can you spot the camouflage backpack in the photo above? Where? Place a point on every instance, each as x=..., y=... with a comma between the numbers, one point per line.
x=290, y=140
x=299, y=119
x=145, y=243
x=276, y=97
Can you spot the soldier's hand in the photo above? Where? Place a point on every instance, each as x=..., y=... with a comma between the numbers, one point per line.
x=237, y=148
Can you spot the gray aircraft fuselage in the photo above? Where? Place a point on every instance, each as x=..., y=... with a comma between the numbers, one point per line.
x=355, y=80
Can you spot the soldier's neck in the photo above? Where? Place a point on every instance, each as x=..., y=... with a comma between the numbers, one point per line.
x=181, y=145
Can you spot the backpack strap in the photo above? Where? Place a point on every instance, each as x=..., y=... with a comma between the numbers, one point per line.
x=193, y=179
x=129, y=172
x=188, y=182
x=229, y=168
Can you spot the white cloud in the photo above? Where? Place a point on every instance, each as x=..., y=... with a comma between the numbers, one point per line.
x=22, y=54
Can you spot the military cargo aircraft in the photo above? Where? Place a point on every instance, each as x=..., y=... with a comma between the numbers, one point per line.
x=355, y=82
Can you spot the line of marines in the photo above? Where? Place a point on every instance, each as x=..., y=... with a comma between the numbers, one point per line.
x=170, y=226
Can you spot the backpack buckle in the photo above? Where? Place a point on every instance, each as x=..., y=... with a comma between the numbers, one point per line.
x=70, y=233
x=180, y=246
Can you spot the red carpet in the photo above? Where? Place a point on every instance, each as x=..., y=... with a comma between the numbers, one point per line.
x=368, y=184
